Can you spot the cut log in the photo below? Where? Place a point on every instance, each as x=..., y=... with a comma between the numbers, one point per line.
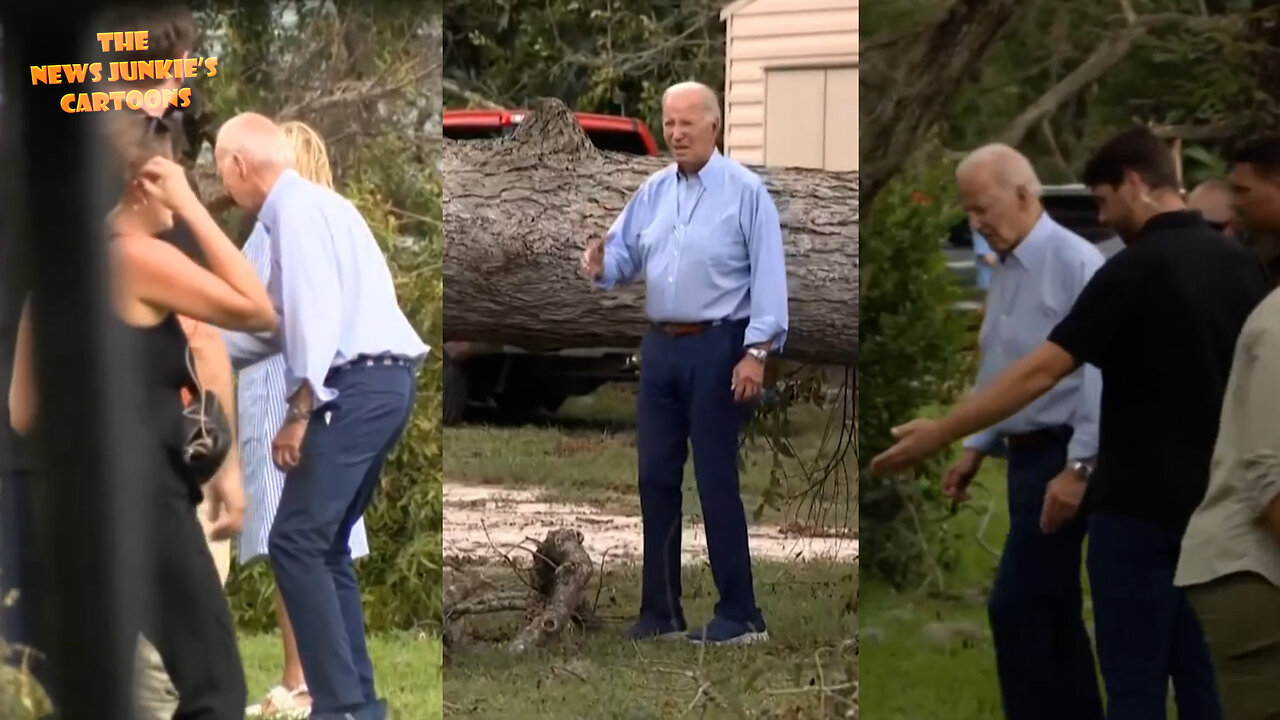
x=555, y=599
x=518, y=212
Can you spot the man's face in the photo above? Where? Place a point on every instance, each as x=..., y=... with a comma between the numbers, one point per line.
x=690, y=131
x=996, y=209
x=1116, y=208
x=233, y=172
x=1257, y=198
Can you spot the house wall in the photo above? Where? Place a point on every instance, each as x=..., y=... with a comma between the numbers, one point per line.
x=791, y=67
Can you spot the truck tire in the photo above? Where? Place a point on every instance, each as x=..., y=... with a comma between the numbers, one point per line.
x=455, y=392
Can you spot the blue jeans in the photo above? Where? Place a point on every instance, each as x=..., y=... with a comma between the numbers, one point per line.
x=346, y=444
x=685, y=397
x=1043, y=653
x=1146, y=630
x=22, y=622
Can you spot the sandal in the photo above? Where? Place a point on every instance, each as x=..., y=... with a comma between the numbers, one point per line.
x=283, y=704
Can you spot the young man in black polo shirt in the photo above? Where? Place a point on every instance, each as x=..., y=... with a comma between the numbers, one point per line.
x=1160, y=320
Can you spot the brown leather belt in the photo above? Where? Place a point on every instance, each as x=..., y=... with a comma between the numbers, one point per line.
x=1035, y=438
x=680, y=329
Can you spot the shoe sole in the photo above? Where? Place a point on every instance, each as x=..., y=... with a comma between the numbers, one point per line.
x=668, y=636
x=751, y=638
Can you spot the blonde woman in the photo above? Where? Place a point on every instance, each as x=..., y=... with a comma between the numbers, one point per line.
x=261, y=409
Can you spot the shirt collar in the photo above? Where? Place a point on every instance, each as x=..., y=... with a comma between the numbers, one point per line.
x=708, y=172
x=1032, y=247
x=1171, y=220
x=270, y=211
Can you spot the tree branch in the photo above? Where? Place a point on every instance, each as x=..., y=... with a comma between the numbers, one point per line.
x=930, y=73
x=1109, y=53
x=470, y=96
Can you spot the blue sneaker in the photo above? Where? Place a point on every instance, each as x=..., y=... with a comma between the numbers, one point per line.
x=729, y=632
x=651, y=628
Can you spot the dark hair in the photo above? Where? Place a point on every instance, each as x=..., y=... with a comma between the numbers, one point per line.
x=1134, y=150
x=1261, y=153
x=133, y=139
x=171, y=29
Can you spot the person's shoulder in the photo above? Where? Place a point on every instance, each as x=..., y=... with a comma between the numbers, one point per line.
x=738, y=173
x=1070, y=246
x=659, y=176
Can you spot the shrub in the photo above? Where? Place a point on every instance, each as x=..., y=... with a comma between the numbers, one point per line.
x=914, y=351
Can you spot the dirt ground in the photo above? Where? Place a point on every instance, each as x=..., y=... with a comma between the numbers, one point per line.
x=483, y=521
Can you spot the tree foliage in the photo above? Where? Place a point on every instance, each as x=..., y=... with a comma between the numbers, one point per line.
x=615, y=57
x=914, y=352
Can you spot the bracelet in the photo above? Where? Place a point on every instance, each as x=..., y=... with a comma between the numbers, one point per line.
x=297, y=414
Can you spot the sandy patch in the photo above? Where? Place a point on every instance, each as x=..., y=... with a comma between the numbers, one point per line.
x=479, y=518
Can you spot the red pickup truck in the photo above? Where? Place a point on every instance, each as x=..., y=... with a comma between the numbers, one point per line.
x=508, y=377
x=607, y=132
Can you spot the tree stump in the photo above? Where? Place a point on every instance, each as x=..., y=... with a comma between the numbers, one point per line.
x=557, y=600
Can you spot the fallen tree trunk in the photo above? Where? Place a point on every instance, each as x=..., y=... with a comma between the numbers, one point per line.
x=518, y=211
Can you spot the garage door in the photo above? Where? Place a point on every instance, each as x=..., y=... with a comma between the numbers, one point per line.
x=811, y=118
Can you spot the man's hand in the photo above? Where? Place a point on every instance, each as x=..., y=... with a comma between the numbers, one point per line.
x=955, y=483
x=748, y=379
x=226, y=502
x=917, y=440
x=286, y=449
x=1062, y=501
x=593, y=259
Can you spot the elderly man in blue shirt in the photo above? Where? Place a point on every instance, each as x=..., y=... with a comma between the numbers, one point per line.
x=1044, y=656
x=704, y=236
x=351, y=357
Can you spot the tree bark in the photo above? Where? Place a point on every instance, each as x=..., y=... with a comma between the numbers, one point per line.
x=907, y=86
x=518, y=212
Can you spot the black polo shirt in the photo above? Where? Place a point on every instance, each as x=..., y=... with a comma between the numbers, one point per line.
x=1160, y=320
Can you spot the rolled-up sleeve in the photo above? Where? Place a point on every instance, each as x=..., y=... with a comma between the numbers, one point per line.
x=1255, y=395
x=310, y=306
x=1088, y=412
x=623, y=262
x=247, y=349
x=768, y=273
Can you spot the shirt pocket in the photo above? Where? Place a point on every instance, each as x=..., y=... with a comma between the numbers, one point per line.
x=720, y=241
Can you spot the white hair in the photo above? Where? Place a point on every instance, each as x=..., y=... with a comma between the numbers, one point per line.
x=256, y=139
x=1008, y=166
x=708, y=95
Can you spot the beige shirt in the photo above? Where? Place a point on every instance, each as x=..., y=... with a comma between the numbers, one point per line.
x=1226, y=534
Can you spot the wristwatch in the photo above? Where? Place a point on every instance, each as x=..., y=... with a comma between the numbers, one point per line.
x=295, y=414
x=1082, y=468
x=758, y=354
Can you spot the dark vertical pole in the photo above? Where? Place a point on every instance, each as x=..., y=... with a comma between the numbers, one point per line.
x=87, y=485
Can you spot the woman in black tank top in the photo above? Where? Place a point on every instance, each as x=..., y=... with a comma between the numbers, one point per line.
x=154, y=283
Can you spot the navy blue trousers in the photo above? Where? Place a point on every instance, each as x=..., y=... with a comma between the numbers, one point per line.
x=685, y=398
x=1043, y=654
x=345, y=447
x=1147, y=631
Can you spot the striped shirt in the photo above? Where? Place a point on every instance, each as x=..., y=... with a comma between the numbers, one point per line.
x=260, y=409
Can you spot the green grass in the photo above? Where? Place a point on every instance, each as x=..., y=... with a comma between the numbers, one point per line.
x=407, y=668
x=604, y=676
x=913, y=668
x=908, y=676
x=587, y=454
